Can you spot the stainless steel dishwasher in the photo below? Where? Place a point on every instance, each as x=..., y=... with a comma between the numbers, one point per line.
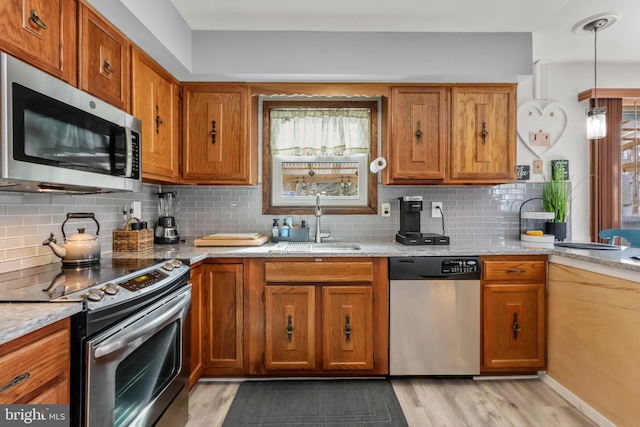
x=434, y=315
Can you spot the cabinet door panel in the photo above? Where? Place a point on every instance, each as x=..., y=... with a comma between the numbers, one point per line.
x=418, y=134
x=105, y=60
x=41, y=32
x=156, y=102
x=514, y=326
x=290, y=327
x=223, y=297
x=347, y=316
x=215, y=146
x=197, y=322
x=483, y=134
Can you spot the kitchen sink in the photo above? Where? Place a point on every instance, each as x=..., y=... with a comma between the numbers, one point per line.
x=302, y=247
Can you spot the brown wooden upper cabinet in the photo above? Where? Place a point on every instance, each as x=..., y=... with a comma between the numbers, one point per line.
x=104, y=56
x=42, y=33
x=483, y=134
x=461, y=134
x=216, y=146
x=156, y=102
x=419, y=135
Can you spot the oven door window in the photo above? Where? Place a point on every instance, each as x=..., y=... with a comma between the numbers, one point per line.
x=146, y=372
x=50, y=132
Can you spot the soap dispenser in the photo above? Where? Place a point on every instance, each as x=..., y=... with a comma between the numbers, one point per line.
x=275, y=231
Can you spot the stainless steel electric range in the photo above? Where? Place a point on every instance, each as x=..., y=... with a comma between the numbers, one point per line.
x=129, y=345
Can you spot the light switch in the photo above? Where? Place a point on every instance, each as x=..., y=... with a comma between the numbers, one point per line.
x=537, y=167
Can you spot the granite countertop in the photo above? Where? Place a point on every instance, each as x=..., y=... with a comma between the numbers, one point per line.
x=20, y=319
x=187, y=251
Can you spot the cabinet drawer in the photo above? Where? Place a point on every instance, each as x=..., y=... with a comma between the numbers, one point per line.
x=332, y=272
x=514, y=270
x=42, y=363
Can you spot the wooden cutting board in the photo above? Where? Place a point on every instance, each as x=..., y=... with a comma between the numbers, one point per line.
x=232, y=236
x=262, y=239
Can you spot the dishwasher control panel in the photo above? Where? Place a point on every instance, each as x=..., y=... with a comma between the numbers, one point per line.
x=459, y=265
x=435, y=267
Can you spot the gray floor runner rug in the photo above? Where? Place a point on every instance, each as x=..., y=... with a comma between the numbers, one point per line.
x=322, y=403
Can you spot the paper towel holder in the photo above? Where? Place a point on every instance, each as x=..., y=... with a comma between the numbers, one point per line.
x=377, y=165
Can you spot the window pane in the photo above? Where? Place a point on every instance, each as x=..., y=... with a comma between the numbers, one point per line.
x=630, y=151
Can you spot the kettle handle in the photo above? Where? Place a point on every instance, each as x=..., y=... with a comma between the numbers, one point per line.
x=80, y=215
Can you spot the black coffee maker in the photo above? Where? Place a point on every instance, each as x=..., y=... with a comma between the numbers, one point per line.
x=409, y=234
x=166, y=231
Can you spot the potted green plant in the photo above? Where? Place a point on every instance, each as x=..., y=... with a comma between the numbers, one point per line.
x=556, y=193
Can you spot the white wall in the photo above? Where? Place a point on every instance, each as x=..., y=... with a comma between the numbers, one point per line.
x=563, y=82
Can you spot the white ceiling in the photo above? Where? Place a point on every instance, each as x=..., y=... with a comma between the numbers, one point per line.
x=550, y=21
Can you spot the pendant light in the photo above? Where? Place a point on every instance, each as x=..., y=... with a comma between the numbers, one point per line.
x=596, y=116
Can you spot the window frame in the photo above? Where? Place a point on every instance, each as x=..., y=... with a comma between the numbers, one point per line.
x=268, y=102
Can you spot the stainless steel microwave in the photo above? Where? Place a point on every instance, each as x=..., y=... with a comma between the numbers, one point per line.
x=57, y=138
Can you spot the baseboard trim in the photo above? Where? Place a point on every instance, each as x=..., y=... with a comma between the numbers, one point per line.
x=578, y=403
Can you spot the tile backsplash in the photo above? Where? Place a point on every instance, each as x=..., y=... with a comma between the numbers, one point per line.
x=472, y=215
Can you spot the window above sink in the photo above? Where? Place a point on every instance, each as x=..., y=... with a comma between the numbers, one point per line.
x=319, y=145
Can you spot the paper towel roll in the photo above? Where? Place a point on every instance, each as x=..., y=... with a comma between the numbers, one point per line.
x=378, y=164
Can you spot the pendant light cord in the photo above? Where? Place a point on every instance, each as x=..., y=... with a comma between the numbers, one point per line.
x=595, y=66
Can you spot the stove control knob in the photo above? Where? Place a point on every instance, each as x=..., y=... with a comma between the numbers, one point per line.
x=110, y=288
x=168, y=266
x=95, y=294
x=176, y=263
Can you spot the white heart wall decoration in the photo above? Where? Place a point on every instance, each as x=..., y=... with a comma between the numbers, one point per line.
x=551, y=119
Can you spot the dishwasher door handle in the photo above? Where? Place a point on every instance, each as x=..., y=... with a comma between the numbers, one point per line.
x=436, y=277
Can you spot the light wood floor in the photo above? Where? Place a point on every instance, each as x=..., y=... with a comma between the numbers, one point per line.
x=433, y=402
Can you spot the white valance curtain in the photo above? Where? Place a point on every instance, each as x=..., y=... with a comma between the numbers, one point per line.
x=320, y=131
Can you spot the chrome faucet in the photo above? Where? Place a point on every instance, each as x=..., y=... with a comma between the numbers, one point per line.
x=319, y=234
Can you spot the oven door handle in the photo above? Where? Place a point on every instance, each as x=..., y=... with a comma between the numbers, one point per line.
x=176, y=305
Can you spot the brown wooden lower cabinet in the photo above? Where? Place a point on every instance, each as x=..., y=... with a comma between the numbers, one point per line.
x=513, y=314
x=217, y=331
x=330, y=319
x=41, y=360
x=347, y=328
x=196, y=324
x=290, y=327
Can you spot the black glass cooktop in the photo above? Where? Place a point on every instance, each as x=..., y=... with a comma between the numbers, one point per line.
x=51, y=281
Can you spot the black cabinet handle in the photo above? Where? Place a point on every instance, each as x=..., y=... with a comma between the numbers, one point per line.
x=213, y=131
x=347, y=328
x=484, y=133
x=516, y=327
x=36, y=20
x=418, y=133
x=289, y=328
x=108, y=67
x=14, y=382
x=158, y=119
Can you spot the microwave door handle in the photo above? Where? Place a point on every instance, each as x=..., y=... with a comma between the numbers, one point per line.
x=149, y=329
x=128, y=172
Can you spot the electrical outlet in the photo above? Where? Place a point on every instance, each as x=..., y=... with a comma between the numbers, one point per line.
x=137, y=209
x=386, y=209
x=435, y=212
